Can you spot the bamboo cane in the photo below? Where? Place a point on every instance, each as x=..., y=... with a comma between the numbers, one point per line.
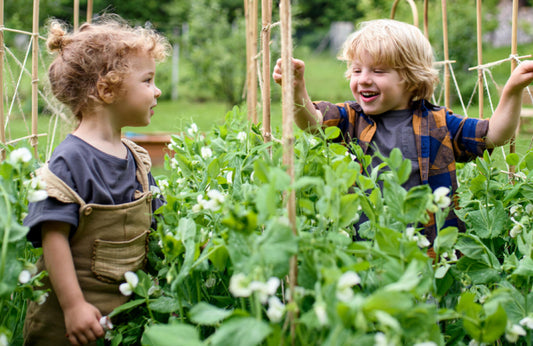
x=89, y=11
x=426, y=21
x=35, y=76
x=479, y=56
x=414, y=11
x=76, y=18
x=266, y=15
x=514, y=52
x=288, y=135
x=250, y=10
x=2, y=131
x=446, y=54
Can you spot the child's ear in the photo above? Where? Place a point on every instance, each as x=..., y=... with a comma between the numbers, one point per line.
x=105, y=92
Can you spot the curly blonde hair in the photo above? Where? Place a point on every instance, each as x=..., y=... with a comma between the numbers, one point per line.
x=96, y=53
x=399, y=45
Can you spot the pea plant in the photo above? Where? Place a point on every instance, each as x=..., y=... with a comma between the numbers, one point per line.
x=219, y=259
x=19, y=280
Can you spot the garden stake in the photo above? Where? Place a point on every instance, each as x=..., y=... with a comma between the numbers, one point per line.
x=479, y=57
x=250, y=10
x=446, y=54
x=76, y=18
x=35, y=77
x=89, y=11
x=514, y=52
x=288, y=139
x=266, y=15
x=2, y=131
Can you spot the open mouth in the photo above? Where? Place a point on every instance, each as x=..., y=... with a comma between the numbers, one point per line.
x=368, y=96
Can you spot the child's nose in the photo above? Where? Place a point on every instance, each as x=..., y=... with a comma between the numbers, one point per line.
x=157, y=92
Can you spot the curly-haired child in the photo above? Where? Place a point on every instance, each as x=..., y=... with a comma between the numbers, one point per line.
x=94, y=225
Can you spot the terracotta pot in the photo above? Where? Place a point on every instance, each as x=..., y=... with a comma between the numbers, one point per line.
x=155, y=143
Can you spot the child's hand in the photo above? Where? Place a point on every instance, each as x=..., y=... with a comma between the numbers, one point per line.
x=520, y=78
x=298, y=67
x=83, y=324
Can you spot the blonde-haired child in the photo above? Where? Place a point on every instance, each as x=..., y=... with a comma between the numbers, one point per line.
x=390, y=69
x=94, y=225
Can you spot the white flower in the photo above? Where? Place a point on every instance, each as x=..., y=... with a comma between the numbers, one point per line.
x=321, y=314
x=216, y=196
x=42, y=298
x=275, y=309
x=529, y=209
x=425, y=343
x=127, y=287
x=380, y=339
x=313, y=142
x=441, y=198
x=3, y=340
x=105, y=322
x=264, y=290
x=238, y=285
x=344, y=285
x=206, y=152
x=241, y=136
x=422, y=241
x=24, y=277
x=20, y=155
x=36, y=195
x=192, y=130
x=514, y=332
x=211, y=281
x=229, y=177
x=516, y=230
x=527, y=321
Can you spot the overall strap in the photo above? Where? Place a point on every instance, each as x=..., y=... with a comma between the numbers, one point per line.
x=144, y=163
x=57, y=188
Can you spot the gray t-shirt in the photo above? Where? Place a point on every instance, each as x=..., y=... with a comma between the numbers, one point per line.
x=97, y=177
x=394, y=129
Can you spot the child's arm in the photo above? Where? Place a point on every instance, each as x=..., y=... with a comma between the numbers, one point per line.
x=506, y=117
x=82, y=319
x=306, y=116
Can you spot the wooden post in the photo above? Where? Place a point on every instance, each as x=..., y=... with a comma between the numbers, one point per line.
x=250, y=11
x=266, y=15
x=446, y=54
x=414, y=10
x=89, y=11
x=426, y=20
x=479, y=19
x=2, y=131
x=35, y=77
x=287, y=87
x=76, y=18
x=514, y=52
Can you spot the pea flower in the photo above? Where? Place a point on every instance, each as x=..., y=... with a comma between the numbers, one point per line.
x=105, y=322
x=344, y=285
x=229, y=177
x=24, y=276
x=21, y=155
x=239, y=286
x=36, y=190
x=380, y=339
x=425, y=343
x=265, y=289
x=527, y=321
x=321, y=314
x=216, y=196
x=206, y=152
x=513, y=332
x=276, y=309
x=192, y=130
x=3, y=340
x=441, y=198
x=127, y=287
x=41, y=299
x=241, y=136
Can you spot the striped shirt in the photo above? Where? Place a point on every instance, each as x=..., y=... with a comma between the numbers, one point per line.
x=442, y=138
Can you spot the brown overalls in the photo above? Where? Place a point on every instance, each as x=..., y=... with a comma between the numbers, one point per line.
x=109, y=240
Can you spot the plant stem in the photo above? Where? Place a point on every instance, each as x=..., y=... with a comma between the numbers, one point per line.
x=7, y=229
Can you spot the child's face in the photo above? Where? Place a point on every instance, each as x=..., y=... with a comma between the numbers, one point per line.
x=139, y=93
x=378, y=88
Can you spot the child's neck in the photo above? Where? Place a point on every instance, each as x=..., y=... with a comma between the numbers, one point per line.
x=101, y=135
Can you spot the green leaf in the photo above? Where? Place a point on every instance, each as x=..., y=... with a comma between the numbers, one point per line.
x=488, y=223
x=494, y=326
x=207, y=314
x=512, y=159
x=214, y=168
x=445, y=239
x=332, y=132
x=350, y=209
x=165, y=305
x=472, y=247
x=525, y=267
x=171, y=335
x=241, y=331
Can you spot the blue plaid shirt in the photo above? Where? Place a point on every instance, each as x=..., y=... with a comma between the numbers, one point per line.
x=442, y=138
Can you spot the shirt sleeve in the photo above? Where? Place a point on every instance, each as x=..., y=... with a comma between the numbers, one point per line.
x=468, y=136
